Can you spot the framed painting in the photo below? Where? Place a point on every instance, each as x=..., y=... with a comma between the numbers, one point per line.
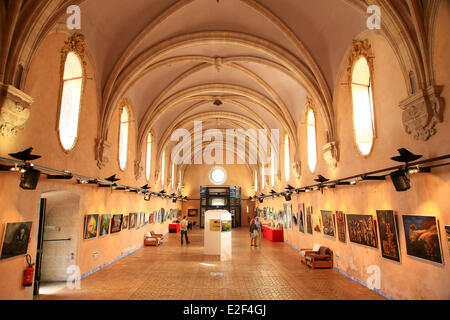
x=151, y=218
x=105, y=221
x=422, y=237
x=147, y=219
x=226, y=225
x=285, y=215
x=132, y=222
x=362, y=229
x=289, y=216
x=192, y=212
x=116, y=223
x=125, y=222
x=15, y=239
x=90, y=226
x=301, y=217
x=316, y=223
x=294, y=219
x=328, y=223
x=341, y=228
x=387, y=228
x=447, y=232
x=309, y=212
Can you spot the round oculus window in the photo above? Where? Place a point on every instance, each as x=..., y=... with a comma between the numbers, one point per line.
x=217, y=175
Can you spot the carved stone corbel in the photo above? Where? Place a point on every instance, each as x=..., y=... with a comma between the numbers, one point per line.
x=14, y=110
x=421, y=111
x=138, y=169
x=296, y=169
x=102, y=151
x=330, y=154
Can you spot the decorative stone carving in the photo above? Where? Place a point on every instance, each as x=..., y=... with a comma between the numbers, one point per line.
x=359, y=49
x=76, y=43
x=138, y=169
x=330, y=154
x=218, y=61
x=102, y=152
x=422, y=110
x=296, y=169
x=14, y=106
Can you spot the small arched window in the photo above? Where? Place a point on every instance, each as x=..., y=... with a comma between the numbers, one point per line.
x=173, y=175
x=256, y=180
x=163, y=168
x=148, y=161
x=363, y=119
x=69, y=112
x=287, y=171
x=311, y=136
x=123, y=137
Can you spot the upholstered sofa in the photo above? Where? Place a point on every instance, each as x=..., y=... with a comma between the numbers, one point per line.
x=152, y=239
x=317, y=257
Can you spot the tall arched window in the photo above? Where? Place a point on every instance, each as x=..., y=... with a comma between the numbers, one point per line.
x=173, y=175
x=287, y=161
x=256, y=180
x=69, y=112
x=163, y=168
x=179, y=180
x=311, y=136
x=123, y=137
x=272, y=170
x=263, y=177
x=148, y=161
x=363, y=119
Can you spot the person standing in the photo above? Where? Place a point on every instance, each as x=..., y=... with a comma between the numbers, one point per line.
x=184, y=229
x=253, y=233
x=258, y=230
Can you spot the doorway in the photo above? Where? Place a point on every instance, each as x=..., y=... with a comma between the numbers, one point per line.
x=58, y=239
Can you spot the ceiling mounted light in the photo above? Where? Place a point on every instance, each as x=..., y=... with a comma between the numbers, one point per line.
x=112, y=178
x=217, y=102
x=400, y=180
x=406, y=156
x=367, y=177
x=321, y=179
x=25, y=155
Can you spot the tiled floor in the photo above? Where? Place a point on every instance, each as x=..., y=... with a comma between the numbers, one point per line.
x=173, y=272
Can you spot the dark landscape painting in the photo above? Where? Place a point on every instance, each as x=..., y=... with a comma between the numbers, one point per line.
x=362, y=229
x=105, y=221
x=309, y=228
x=422, y=237
x=116, y=223
x=387, y=227
x=341, y=228
x=15, y=240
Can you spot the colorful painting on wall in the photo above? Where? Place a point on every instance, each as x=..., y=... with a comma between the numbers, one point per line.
x=90, y=226
x=214, y=225
x=152, y=218
x=15, y=239
x=105, y=221
x=422, y=237
x=317, y=223
x=132, y=220
x=192, y=212
x=447, y=232
x=301, y=217
x=309, y=212
x=362, y=229
x=387, y=227
x=328, y=223
x=226, y=225
x=116, y=223
x=125, y=222
x=147, y=219
x=340, y=221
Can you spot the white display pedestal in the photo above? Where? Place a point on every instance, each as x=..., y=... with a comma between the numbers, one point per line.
x=218, y=233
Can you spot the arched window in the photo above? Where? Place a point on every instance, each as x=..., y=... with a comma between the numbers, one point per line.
x=148, y=161
x=311, y=136
x=256, y=181
x=363, y=119
x=163, y=168
x=173, y=175
x=263, y=177
x=179, y=180
x=123, y=137
x=287, y=161
x=218, y=175
x=272, y=169
x=69, y=112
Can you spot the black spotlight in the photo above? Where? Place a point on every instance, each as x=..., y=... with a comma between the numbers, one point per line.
x=147, y=196
x=174, y=200
x=406, y=156
x=287, y=197
x=400, y=180
x=261, y=200
x=30, y=179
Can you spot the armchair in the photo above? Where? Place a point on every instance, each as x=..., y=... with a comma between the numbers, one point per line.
x=322, y=259
x=304, y=252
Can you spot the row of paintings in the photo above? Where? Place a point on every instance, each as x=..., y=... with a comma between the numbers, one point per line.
x=102, y=225
x=421, y=232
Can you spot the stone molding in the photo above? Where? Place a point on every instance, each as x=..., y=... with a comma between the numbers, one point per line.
x=14, y=110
